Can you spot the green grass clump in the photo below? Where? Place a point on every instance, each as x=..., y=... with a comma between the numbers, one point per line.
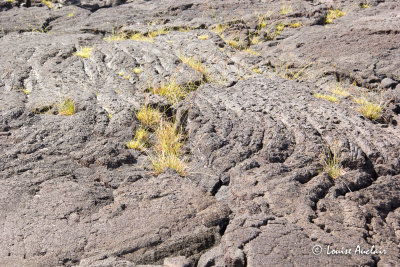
x=139, y=141
x=84, y=52
x=67, y=107
x=332, y=161
x=149, y=117
x=327, y=97
x=70, y=15
x=333, y=14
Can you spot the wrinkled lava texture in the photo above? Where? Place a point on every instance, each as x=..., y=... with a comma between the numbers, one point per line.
x=255, y=191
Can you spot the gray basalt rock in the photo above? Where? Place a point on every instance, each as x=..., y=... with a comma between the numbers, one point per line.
x=256, y=191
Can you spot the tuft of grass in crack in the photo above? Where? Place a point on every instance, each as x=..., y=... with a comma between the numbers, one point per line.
x=338, y=90
x=372, y=111
x=284, y=70
x=137, y=70
x=257, y=70
x=296, y=24
x=251, y=51
x=48, y=3
x=332, y=161
x=365, y=4
x=193, y=63
x=286, y=9
x=25, y=91
x=66, y=107
x=203, y=37
x=84, y=52
x=333, y=14
x=70, y=15
x=331, y=98
x=116, y=36
x=174, y=92
x=140, y=140
x=141, y=38
x=122, y=74
x=149, y=116
x=168, y=149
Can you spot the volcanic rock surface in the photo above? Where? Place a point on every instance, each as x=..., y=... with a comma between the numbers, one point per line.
x=256, y=190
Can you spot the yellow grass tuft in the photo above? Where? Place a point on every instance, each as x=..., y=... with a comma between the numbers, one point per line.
x=116, y=37
x=332, y=161
x=340, y=91
x=333, y=14
x=139, y=142
x=203, y=37
x=137, y=70
x=148, y=116
x=48, y=3
x=370, y=110
x=193, y=63
x=67, y=107
x=257, y=70
x=286, y=9
x=84, y=52
x=327, y=97
x=169, y=148
x=172, y=91
x=296, y=24
x=163, y=161
x=141, y=38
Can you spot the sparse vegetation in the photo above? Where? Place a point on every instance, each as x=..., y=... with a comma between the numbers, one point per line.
x=331, y=98
x=364, y=4
x=284, y=70
x=70, y=15
x=122, y=74
x=257, y=70
x=168, y=149
x=141, y=38
x=137, y=70
x=84, y=52
x=149, y=117
x=172, y=91
x=116, y=36
x=66, y=107
x=332, y=161
x=286, y=9
x=203, y=37
x=370, y=110
x=25, y=91
x=296, y=24
x=193, y=63
x=251, y=51
x=140, y=140
x=333, y=14
x=48, y=3
x=338, y=90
